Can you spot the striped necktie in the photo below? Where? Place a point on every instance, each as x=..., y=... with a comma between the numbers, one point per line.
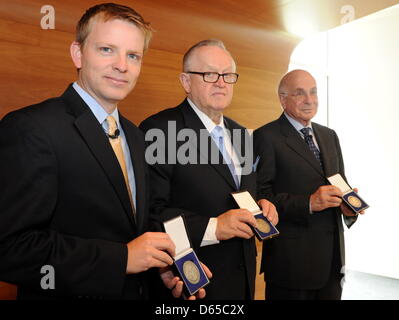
x=309, y=140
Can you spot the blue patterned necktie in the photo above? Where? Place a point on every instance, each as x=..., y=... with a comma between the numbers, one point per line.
x=218, y=136
x=312, y=146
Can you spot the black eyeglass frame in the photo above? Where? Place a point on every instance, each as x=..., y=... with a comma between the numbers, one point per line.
x=217, y=79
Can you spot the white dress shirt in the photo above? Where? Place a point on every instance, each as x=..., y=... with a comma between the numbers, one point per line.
x=210, y=232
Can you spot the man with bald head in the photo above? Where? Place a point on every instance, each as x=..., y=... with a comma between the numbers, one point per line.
x=295, y=157
x=201, y=189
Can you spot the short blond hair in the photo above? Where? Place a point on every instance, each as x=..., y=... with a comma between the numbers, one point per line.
x=110, y=11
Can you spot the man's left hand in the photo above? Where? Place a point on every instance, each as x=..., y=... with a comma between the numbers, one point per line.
x=348, y=212
x=269, y=210
x=176, y=285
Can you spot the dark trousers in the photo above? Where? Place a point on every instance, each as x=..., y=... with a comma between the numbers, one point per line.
x=331, y=291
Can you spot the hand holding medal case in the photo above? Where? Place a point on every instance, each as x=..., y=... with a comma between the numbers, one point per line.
x=265, y=229
x=350, y=197
x=185, y=260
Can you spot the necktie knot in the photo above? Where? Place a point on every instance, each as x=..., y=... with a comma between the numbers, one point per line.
x=306, y=132
x=217, y=132
x=113, y=130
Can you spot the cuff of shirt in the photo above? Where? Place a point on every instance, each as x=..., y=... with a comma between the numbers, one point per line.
x=210, y=233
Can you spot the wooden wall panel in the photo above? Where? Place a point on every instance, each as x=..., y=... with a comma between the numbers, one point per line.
x=7, y=291
x=36, y=62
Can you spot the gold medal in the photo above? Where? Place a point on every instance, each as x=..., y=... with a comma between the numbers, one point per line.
x=191, y=272
x=262, y=225
x=354, y=201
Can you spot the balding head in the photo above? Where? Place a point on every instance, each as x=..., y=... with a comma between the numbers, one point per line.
x=298, y=95
x=290, y=78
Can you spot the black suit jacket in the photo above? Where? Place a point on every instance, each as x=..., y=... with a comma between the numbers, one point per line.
x=288, y=173
x=202, y=191
x=64, y=202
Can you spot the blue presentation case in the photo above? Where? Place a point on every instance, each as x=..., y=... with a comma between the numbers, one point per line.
x=265, y=229
x=186, y=261
x=350, y=197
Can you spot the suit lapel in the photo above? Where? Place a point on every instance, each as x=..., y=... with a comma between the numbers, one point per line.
x=324, y=144
x=248, y=176
x=241, y=154
x=139, y=171
x=93, y=134
x=193, y=122
x=296, y=143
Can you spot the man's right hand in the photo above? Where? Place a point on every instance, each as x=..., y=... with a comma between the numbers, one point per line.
x=148, y=251
x=326, y=197
x=234, y=223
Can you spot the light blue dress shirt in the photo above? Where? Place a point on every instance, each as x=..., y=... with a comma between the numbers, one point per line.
x=101, y=116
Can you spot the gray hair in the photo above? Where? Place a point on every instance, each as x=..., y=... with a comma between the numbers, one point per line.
x=203, y=43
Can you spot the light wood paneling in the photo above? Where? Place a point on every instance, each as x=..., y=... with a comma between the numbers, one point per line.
x=36, y=63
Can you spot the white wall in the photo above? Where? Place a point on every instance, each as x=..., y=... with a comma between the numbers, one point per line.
x=361, y=61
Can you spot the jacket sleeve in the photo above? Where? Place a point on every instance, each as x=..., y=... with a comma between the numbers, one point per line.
x=349, y=221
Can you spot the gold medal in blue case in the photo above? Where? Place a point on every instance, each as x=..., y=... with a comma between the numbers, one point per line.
x=350, y=197
x=265, y=229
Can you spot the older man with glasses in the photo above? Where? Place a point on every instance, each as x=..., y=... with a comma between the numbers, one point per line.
x=295, y=157
x=220, y=233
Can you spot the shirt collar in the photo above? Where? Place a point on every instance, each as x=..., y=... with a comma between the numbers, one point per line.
x=94, y=106
x=208, y=123
x=297, y=125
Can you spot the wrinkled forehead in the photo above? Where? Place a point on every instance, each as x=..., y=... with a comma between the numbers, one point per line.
x=213, y=58
x=298, y=80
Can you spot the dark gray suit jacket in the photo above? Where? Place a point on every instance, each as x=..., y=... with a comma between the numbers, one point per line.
x=287, y=174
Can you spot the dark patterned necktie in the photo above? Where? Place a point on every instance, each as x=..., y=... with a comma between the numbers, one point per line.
x=312, y=146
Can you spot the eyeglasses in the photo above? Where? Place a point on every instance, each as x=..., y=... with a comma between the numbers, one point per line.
x=301, y=94
x=213, y=77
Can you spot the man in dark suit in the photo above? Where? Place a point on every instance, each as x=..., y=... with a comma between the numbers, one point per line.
x=199, y=188
x=295, y=157
x=74, y=196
